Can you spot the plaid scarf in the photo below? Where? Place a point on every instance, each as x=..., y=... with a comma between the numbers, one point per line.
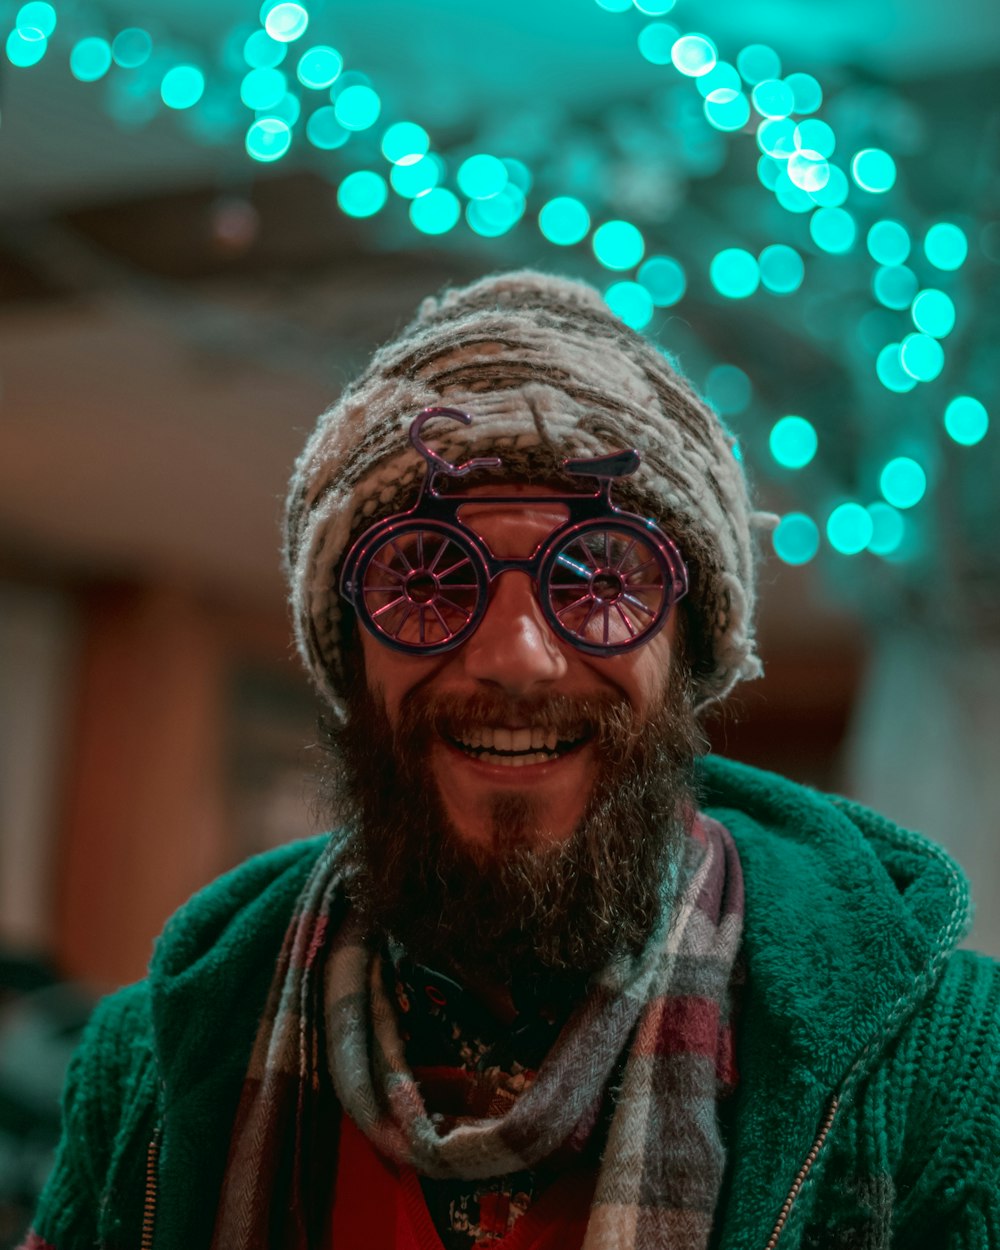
x=656, y=1027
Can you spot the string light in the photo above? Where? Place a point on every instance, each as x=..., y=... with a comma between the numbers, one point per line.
x=793, y=442
x=966, y=420
x=91, y=60
x=946, y=246
x=436, y=211
x=664, y=279
x=618, y=245
x=796, y=538
x=362, y=193
x=182, y=87
x=903, y=482
x=781, y=269
x=631, y=302
x=735, y=273
x=873, y=170
x=564, y=221
x=849, y=529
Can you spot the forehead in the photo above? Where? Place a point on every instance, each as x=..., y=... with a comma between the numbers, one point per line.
x=517, y=527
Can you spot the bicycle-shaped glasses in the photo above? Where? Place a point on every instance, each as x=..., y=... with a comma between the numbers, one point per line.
x=605, y=579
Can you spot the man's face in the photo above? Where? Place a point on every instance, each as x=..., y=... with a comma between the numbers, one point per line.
x=512, y=751
x=498, y=867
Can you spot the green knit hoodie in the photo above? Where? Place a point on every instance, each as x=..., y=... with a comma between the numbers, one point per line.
x=868, y=1113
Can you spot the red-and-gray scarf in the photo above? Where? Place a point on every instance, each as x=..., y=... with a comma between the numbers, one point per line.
x=329, y=1039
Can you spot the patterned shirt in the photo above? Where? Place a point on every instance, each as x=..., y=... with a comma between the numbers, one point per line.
x=470, y=1063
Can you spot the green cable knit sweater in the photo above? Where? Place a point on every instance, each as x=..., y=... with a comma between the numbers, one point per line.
x=868, y=1114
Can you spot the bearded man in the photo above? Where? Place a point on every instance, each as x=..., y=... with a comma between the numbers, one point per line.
x=559, y=980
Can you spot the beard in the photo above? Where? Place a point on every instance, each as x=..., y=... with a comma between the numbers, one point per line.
x=521, y=904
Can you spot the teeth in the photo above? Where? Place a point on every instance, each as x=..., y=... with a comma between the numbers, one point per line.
x=516, y=761
x=489, y=738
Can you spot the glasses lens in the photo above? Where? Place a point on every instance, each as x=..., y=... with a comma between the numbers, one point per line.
x=420, y=588
x=608, y=587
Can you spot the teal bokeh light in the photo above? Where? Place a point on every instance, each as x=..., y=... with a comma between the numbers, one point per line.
x=966, y=420
x=268, y=139
x=890, y=372
x=773, y=98
x=435, y=212
x=694, y=55
x=131, y=47
x=286, y=22
x=727, y=109
x=903, y=482
x=807, y=92
x=564, y=221
x=664, y=279
x=888, y=242
x=404, y=143
x=631, y=302
x=614, y=6
x=410, y=181
x=756, y=62
x=723, y=75
x=888, y=528
x=933, y=312
x=362, y=193
x=481, y=176
x=734, y=273
x=776, y=137
x=728, y=389
x=833, y=230
x=182, y=87
x=793, y=442
x=90, y=59
x=795, y=538
x=849, y=528
x=834, y=193
x=24, y=52
x=263, y=88
x=654, y=8
x=319, y=67
x=814, y=135
x=792, y=199
x=262, y=52
x=288, y=108
x=656, y=42
x=499, y=213
x=618, y=244
x=894, y=286
x=357, y=107
x=808, y=170
x=35, y=20
x=781, y=269
x=921, y=356
x=873, y=170
x=324, y=131
x=946, y=246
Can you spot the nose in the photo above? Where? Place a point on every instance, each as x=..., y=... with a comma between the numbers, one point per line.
x=514, y=648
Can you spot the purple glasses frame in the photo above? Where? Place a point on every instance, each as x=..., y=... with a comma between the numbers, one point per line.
x=397, y=581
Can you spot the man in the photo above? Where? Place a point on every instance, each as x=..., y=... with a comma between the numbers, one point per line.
x=559, y=981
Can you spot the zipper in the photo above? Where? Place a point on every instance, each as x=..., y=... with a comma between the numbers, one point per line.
x=803, y=1172
x=149, y=1200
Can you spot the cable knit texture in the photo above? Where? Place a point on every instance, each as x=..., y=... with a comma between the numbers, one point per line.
x=548, y=373
x=854, y=990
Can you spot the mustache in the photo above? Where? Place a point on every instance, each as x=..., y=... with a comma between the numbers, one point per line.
x=607, y=717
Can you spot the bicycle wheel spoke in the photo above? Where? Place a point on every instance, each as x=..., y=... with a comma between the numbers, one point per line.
x=452, y=567
x=441, y=621
x=607, y=623
x=385, y=607
x=406, y=616
x=437, y=555
x=581, y=570
x=420, y=549
x=627, y=623
x=387, y=568
x=576, y=602
x=457, y=607
x=588, y=555
x=637, y=603
x=625, y=555
x=402, y=555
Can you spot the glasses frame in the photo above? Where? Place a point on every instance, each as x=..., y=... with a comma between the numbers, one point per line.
x=438, y=514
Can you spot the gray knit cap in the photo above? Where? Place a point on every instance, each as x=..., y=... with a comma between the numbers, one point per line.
x=548, y=372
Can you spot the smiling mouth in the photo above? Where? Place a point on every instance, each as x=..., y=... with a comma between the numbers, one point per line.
x=515, y=747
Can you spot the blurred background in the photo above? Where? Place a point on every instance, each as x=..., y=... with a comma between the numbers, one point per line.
x=211, y=212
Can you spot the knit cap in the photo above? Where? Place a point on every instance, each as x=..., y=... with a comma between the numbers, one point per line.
x=548, y=373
